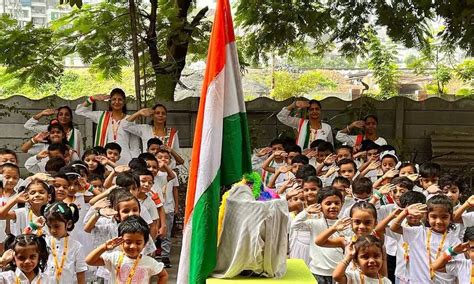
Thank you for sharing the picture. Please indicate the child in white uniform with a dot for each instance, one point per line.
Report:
(128, 265)
(66, 262)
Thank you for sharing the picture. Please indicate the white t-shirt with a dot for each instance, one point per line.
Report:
(418, 266)
(146, 268)
(151, 207)
(323, 260)
(10, 277)
(22, 220)
(461, 269)
(354, 277)
(266, 176)
(382, 213)
(468, 219)
(167, 193)
(74, 262)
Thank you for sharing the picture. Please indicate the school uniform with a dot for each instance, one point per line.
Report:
(168, 206)
(18, 277)
(323, 260)
(355, 277)
(106, 229)
(120, 267)
(74, 261)
(416, 237)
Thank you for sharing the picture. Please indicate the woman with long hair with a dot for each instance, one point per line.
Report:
(65, 118)
(110, 123)
(157, 129)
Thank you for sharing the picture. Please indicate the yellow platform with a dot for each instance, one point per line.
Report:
(297, 272)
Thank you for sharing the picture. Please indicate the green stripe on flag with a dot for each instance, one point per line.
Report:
(203, 252)
(235, 149)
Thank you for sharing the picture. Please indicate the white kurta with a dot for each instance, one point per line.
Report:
(145, 132)
(130, 143)
(350, 140)
(323, 133)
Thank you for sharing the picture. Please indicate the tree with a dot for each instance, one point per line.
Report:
(382, 61)
(102, 36)
(279, 25)
(435, 55)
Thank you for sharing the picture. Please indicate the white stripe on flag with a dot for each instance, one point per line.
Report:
(211, 144)
(233, 99)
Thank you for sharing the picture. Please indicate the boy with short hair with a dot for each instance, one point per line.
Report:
(169, 193)
(113, 151)
(429, 176)
(8, 156)
(153, 145)
(260, 155)
(37, 163)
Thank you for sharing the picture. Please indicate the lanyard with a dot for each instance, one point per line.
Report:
(115, 128)
(17, 280)
(59, 268)
(132, 271)
(362, 279)
(39, 232)
(428, 250)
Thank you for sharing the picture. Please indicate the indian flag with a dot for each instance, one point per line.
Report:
(221, 150)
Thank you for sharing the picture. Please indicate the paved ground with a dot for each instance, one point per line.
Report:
(175, 251)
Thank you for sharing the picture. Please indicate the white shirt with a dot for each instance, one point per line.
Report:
(151, 207)
(461, 269)
(167, 193)
(74, 262)
(354, 277)
(146, 268)
(350, 140)
(130, 143)
(145, 132)
(10, 277)
(323, 260)
(418, 266)
(324, 133)
(468, 219)
(22, 220)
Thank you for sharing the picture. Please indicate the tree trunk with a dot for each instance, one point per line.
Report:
(165, 86)
(136, 58)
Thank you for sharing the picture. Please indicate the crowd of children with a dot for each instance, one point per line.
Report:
(98, 215)
(359, 214)
(104, 214)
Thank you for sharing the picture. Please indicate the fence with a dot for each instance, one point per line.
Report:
(406, 124)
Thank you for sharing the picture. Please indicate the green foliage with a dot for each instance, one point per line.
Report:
(434, 60)
(382, 61)
(30, 54)
(465, 71)
(73, 84)
(464, 92)
(443, 75)
(289, 85)
(101, 36)
(327, 61)
(280, 25)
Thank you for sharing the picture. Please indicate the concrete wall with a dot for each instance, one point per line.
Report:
(406, 124)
